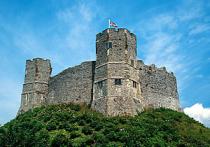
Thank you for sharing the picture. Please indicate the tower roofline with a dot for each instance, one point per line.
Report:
(37, 59)
(109, 30)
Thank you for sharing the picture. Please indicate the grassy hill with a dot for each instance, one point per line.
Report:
(74, 125)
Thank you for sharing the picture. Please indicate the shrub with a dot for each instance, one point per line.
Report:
(75, 107)
(51, 126)
(81, 122)
(87, 130)
(65, 126)
(99, 138)
(59, 140)
(96, 125)
(74, 134)
(72, 127)
(42, 138)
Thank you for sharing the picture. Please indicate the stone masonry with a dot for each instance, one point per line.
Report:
(115, 84)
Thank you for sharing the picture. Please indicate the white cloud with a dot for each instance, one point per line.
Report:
(67, 41)
(163, 45)
(165, 40)
(79, 12)
(199, 29)
(79, 38)
(161, 49)
(190, 10)
(199, 113)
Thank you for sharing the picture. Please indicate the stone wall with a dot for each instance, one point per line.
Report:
(74, 84)
(158, 87)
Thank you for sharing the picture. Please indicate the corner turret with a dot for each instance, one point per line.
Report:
(35, 87)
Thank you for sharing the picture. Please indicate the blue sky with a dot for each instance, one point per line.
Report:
(174, 34)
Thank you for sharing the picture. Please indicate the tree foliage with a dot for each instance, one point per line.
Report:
(75, 125)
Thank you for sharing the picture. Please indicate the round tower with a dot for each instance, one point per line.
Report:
(35, 87)
(116, 83)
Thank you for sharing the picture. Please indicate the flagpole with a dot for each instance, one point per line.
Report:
(109, 23)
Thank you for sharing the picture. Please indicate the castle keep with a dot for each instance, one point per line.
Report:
(115, 84)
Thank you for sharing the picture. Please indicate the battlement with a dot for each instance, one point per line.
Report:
(152, 68)
(115, 31)
(38, 59)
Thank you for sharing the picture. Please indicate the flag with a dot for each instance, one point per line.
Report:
(112, 24)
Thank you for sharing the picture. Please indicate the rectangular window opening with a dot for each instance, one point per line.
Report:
(100, 84)
(108, 45)
(132, 62)
(134, 84)
(118, 81)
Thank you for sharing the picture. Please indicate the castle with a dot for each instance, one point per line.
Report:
(115, 84)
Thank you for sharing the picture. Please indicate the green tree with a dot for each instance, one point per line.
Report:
(60, 140)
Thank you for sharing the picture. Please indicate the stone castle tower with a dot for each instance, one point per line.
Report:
(115, 84)
(35, 87)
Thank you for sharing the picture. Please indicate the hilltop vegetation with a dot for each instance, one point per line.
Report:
(74, 125)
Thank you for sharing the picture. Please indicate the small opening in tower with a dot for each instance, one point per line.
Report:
(100, 84)
(150, 68)
(134, 84)
(132, 62)
(118, 81)
(109, 45)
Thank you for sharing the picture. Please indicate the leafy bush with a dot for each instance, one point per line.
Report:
(87, 130)
(51, 126)
(60, 140)
(74, 134)
(74, 125)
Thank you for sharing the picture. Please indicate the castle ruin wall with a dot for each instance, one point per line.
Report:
(158, 87)
(74, 84)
